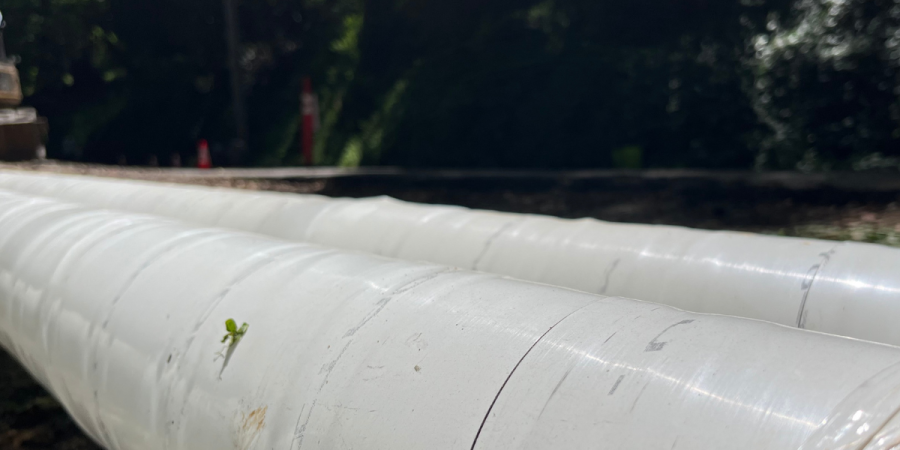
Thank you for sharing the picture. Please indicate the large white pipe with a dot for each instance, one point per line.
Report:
(121, 316)
(850, 289)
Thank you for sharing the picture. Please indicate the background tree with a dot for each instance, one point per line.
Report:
(808, 84)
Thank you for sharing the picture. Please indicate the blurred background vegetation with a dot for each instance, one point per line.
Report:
(749, 84)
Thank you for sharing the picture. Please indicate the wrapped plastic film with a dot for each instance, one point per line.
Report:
(121, 317)
(850, 289)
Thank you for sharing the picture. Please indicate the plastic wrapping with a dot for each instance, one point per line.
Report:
(842, 288)
(121, 317)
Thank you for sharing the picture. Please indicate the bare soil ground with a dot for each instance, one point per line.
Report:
(30, 418)
(858, 208)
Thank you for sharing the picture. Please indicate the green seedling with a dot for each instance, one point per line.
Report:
(234, 333)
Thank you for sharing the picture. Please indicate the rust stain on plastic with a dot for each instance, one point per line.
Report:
(250, 426)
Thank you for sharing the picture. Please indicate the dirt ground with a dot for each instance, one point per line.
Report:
(800, 206)
(32, 419)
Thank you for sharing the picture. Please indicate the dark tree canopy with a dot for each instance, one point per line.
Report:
(766, 84)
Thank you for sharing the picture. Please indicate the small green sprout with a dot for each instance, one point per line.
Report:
(234, 332)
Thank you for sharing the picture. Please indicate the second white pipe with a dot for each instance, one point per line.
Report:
(849, 289)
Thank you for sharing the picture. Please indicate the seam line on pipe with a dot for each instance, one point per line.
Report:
(886, 421)
(490, 242)
(852, 402)
(94, 344)
(299, 430)
(508, 377)
(265, 220)
(401, 243)
(61, 273)
(313, 222)
(880, 429)
(808, 284)
(217, 220)
(129, 200)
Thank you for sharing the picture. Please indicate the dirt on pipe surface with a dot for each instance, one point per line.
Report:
(840, 206)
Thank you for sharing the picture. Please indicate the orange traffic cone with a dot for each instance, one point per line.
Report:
(204, 161)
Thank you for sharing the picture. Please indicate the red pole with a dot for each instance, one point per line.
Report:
(308, 109)
(204, 161)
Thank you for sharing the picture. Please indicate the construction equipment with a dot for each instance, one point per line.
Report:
(23, 134)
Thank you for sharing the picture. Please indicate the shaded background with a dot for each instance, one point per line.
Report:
(744, 84)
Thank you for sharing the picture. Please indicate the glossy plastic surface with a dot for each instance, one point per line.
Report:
(121, 317)
(848, 289)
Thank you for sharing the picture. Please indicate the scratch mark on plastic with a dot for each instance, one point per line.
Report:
(609, 272)
(555, 389)
(379, 306)
(807, 283)
(490, 242)
(655, 345)
(633, 404)
(616, 385)
(420, 281)
(300, 429)
(610, 337)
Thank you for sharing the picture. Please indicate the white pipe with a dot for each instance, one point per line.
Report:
(849, 289)
(121, 316)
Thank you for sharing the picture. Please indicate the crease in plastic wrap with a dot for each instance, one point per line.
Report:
(121, 316)
(849, 289)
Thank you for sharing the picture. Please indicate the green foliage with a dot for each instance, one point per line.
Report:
(550, 84)
(137, 78)
(630, 157)
(827, 84)
(53, 36)
(806, 84)
(858, 232)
